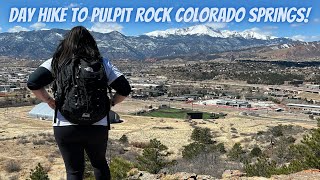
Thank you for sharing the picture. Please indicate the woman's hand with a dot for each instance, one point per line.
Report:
(43, 95)
(52, 103)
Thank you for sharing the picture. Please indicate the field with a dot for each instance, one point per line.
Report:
(30, 141)
(173, 113)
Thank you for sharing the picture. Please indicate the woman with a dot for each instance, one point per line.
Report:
(74, 139)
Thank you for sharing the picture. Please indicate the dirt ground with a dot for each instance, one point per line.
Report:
(28, 141)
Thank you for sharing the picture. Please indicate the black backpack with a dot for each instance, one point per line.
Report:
(81, 91)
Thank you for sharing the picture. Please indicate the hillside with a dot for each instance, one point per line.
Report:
(298, 51)
(26, 141)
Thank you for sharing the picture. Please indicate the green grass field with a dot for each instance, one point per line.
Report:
(172, 113)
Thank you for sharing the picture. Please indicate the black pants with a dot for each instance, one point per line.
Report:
(74, 140)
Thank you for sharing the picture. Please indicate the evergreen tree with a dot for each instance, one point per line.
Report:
(153, 157)
(38, 173)
(202, 135)
(236, 153)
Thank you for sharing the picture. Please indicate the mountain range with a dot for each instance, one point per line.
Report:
(200, 39)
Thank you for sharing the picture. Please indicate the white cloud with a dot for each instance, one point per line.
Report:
(317, 20)
(270, 27)
(305, 38)
(217, 25)
(0, 29)
(72, 5)
(106, 27)
(296, 25)
(18, 29)
(38, 26)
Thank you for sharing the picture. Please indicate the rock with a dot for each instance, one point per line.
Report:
(141, 175)
(135, 174)
(232, 173)
(310, 174)
(185, 176)
(205, 177)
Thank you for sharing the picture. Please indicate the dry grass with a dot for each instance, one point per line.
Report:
(18, 132)
(12, 166)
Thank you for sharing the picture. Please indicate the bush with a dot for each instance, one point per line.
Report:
(304, 155)
(22, 141)
(192, 150)
(290, 140)
(153, 157)
(38, 173)
(220, 147)
(318, 122)
(277, 131)
(236, 153)
(261, 168)
(14, 177)
(139, 144)
(12, 166)
(88, 169)
(119, 168)
(266, 168)
(202, 135)
(256, 152)
(308, 151)
(124, 139)
(39, 142)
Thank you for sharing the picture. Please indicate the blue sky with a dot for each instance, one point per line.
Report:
(309, 31)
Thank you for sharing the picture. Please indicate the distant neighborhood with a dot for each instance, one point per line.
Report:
(147, 83)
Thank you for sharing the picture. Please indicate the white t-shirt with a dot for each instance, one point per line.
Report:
(112, 73)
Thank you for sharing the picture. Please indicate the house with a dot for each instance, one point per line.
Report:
(304, 108)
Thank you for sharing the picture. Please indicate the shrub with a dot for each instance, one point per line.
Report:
(277, 131)
(14, 177)
(290, 140)
(38, 142)
(260, 133)
(266, 168)
(192, 150)
(50, 139)
(236, 153)
(38, 173)
(220, 147)
(262, 168)
(119, 168)
(304, 155)
(256, 152)
(139, 144)
(88, 169)
(153, 157)
(202, 135)
(22, 141)
(209, 163)
(318, 122)
(12, 166)
(124, 139)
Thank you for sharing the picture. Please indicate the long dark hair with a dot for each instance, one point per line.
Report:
(77, 42)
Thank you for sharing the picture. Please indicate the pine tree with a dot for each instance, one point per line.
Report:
(236, 153)
(153, 157)
(38, 173)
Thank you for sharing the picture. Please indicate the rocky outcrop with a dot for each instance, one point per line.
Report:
(135, 174)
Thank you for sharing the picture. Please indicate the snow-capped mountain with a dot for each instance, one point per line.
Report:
(210, 31)
(183, 42)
